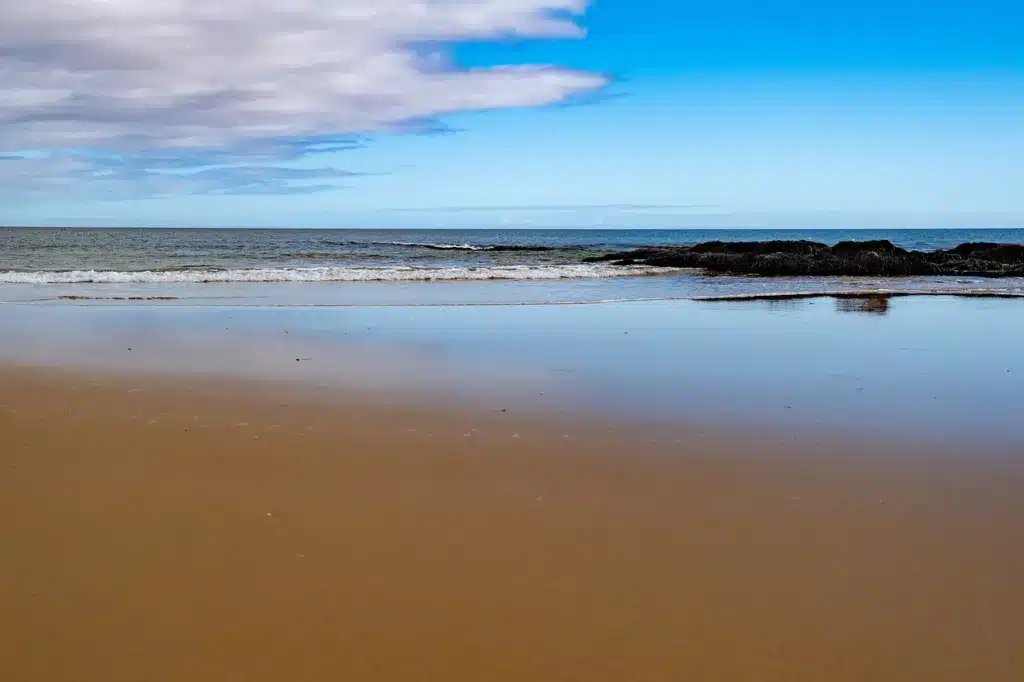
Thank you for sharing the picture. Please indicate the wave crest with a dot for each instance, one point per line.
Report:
(332, 274)
(435, 246)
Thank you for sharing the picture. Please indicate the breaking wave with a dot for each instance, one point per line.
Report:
(332, 274)
(453, 247)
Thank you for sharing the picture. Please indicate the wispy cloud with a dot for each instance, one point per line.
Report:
(193, 82)
(551, 208)
(72, 177)
(266, 151)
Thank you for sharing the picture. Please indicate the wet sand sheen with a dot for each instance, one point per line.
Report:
(158, 530)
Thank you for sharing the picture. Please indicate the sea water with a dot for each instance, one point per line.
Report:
(348, 267)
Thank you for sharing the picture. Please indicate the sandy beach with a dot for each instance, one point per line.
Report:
(170, 529)
(511, 341)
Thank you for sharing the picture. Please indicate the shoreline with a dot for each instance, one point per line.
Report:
(169, 529)
(680, 284)
(795, 295)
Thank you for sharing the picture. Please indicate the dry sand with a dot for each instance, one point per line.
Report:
(157, 531)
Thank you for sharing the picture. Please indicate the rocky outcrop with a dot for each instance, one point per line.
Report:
(876, 258)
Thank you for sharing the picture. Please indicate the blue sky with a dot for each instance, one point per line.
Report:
(663, 114)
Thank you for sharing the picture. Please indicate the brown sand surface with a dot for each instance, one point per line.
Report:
(154, 530)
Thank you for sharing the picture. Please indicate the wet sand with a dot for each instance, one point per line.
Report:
(170, 530)
(910, 368)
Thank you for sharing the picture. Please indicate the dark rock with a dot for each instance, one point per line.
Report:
(760, 248)
(871, 245)
(806, 258)
(998, 253)
(968, 248)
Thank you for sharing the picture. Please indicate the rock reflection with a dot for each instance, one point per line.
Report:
(871, 305)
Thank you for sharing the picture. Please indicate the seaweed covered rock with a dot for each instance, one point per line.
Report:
(800, 247)
(883, 246)
(988, 251)
(806, 258)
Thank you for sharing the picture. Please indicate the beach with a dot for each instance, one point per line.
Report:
(165, 530)
(581, 478)
(511, 341)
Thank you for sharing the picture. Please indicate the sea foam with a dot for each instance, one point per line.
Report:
(332, 274)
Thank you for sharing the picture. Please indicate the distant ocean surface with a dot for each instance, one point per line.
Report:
(35, 262)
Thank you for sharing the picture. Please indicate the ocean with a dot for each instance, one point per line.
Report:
(46, 264)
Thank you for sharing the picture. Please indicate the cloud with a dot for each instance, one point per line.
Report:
(251, 151)
(75, 177)
(215, 75)
(554, 208)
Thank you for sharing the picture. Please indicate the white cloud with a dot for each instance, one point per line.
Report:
(72, 177)
(130, 75)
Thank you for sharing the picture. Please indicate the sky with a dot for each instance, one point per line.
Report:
(512, 113)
